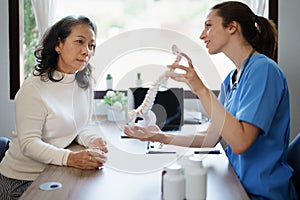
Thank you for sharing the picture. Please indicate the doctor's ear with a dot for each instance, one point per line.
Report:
(232, 27)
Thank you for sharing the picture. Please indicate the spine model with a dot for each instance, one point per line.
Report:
(144, 110)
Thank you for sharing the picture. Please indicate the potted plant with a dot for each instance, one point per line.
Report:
(117, 103)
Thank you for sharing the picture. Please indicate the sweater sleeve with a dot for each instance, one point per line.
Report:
(91, 130)
(88, 133)
(31, 115)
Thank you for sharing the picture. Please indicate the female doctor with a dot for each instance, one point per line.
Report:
(252, 113)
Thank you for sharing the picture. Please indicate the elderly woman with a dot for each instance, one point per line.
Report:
(54, 108)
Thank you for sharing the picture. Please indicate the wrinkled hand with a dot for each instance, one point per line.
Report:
(87, 159)
(149, 133)
(190, 77)
(98, 143)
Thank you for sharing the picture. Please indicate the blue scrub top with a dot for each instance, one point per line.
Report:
(261, 98)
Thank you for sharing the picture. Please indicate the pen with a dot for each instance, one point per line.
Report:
(125, 136)
(208, 152)
(161, 152)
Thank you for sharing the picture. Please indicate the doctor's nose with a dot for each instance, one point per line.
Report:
(202, 35)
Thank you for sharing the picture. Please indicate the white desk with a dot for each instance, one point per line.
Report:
(130, 174)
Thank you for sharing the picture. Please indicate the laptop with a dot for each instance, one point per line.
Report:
(168, 106)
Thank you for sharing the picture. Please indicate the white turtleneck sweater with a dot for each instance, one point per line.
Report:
(49, 116)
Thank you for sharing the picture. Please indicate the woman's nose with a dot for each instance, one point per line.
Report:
(202, 35)
(85, 50)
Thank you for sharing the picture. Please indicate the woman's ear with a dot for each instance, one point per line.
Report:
(232, 27)
(58, 45)
(57, 49)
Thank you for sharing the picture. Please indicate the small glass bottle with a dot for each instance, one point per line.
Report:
(109, 82)
(174, 183)
(195, 177)
(138, 81)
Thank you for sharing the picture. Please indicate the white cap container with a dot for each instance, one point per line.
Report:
(195, 179)
(174, 183)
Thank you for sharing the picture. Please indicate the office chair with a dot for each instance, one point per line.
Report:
(4, 143)
(294, 161)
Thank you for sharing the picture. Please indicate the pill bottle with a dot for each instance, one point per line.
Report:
(173, 183)
(195, 179)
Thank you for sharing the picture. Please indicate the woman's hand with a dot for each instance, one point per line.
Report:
(87, 159)
(190, 77)
(149, 133)
(98, 143)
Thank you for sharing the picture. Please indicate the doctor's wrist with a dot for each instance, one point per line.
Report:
(161, 138)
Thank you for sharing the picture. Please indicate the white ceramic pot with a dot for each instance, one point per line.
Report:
(115, 115)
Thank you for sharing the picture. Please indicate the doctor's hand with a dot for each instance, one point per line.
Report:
(87, 159)
(149, 133)
(189, 76)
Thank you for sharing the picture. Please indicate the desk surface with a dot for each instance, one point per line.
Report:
(130, 174)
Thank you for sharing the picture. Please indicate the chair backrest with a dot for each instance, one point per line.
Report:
(4, 143)
(294, 161)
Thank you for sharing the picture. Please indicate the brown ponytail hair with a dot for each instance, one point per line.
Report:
(259, 32)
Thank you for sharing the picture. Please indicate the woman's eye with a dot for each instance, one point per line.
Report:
(92, 46)
(79, 41)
